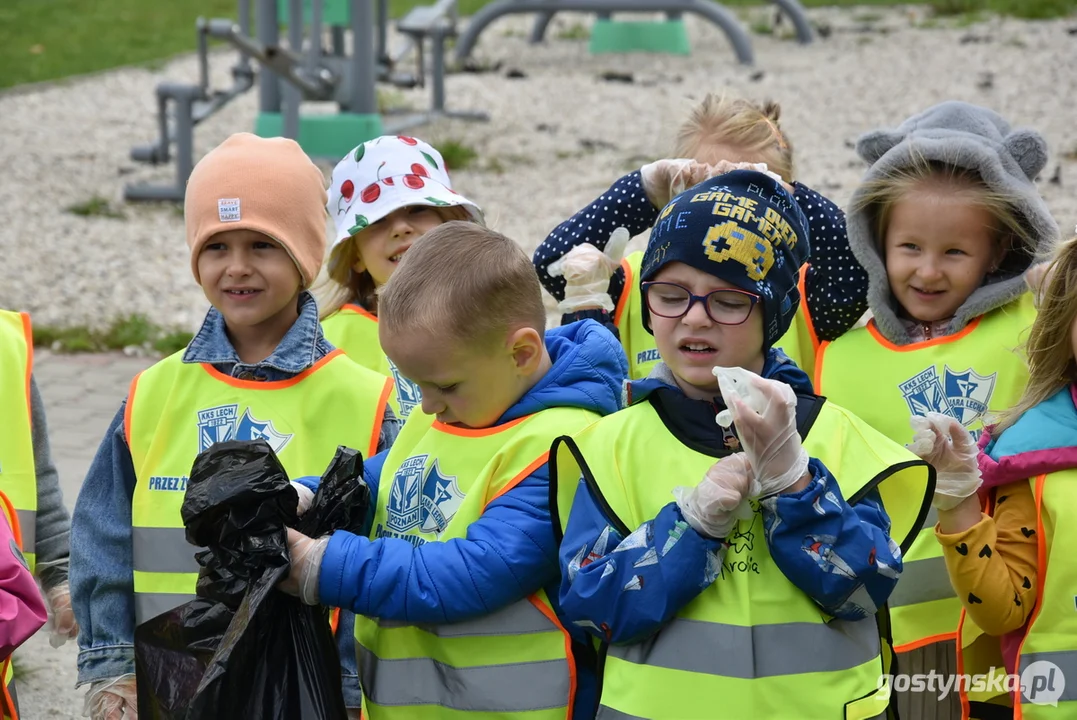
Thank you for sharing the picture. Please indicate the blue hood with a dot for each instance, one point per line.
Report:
(1041, 441)
(588, 371)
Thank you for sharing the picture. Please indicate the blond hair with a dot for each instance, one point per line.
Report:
(343, 285)
(720, 121)
(464, 281)
(878, 196)
(1051, 364)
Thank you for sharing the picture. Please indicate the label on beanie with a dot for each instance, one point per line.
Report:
(228, 209)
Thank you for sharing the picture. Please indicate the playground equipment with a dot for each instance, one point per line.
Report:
(546, 9)
(305, 70)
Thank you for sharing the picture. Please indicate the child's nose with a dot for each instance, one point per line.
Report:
(432, 405)
(929, 269)
(697, 316)
(401, 228)
(239, 264)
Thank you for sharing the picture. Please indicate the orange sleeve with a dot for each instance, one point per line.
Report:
(992, 565)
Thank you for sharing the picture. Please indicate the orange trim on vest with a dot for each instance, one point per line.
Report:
(379, 416)
(5, 697)
(523, 474)
(29, 333)
(334, 620)
(569, 657)
(818, 379)
(941, 637)
(623, 300)
(269, 384)
(962, 693)
(13, 520)
(476, 432)
(802, 287)
(924, 344)
(1041, 582)
(127, 410)
(358, 310)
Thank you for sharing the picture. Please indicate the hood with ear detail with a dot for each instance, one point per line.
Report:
(966, 136)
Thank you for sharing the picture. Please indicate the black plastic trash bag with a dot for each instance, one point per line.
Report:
(243, 649)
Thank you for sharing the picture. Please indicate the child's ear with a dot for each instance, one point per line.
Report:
(527, 346)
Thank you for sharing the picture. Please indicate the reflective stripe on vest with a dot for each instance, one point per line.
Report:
(176, 410)
(967, 375)
(18, 478)
(436, 481)
(798, 342)
(752, 638)
(355, 331)
(1052, 630)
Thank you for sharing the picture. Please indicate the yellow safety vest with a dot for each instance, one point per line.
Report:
(355, 331)
(175, 410)
(9, 698)
(18, 478)
(798, 342)
(751, 644)
(1047, 659)
(967, 375)
(514, 663)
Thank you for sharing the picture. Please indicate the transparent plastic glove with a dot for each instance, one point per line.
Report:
(945, 443)
(665, 179)
(1037, 278)
(724, 166)
(306, 496)
(587, 272)
(765, 414)
(714, 506)
(61, 617)
(112, 699)
(306, 564)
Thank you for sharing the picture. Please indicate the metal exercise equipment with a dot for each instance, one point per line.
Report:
(305, 70)
(545, 9)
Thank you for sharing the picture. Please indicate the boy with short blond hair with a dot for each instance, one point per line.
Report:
(462, 527)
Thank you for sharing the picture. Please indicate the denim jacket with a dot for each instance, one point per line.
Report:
(102, 585)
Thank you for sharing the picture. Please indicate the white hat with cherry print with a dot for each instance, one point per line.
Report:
(385, 174)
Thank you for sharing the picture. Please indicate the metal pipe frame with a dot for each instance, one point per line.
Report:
(717, 14)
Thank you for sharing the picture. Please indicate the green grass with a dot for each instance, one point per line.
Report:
(96, 206)
(456, 153)
(49, 39)
(123, 332)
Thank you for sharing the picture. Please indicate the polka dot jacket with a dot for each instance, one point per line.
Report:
(836, 285)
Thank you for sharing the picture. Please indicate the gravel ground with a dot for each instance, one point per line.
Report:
(558, 136)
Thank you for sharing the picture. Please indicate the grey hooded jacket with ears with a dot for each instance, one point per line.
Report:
(970, 137)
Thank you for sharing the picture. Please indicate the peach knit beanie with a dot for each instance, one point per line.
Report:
(264, 184)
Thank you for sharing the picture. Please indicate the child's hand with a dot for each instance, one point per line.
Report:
(724, 166)
(1037, 278)
(665, 179)
(587, 271)
(769, 435)
(945, 443)
(61, 616)
(714, 506)
(306, 497)
(306, 563)
(112, 699)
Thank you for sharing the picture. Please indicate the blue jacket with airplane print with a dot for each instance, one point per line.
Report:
(841, 556)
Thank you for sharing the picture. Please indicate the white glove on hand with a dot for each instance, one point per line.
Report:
(61, 616)
(112, 699)
(765, 415)
(306, 565)
(714, 506)
(306, 497)
(724, 166)
(1038, 278)
(665, 179)
(587, 271)
(945, 443)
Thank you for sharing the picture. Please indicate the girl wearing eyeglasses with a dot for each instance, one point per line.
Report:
(731, 572)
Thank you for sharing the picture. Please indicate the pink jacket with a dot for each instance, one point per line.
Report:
(22, 609)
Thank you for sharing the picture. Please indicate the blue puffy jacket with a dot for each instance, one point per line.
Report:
(510, 551)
